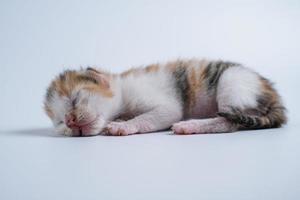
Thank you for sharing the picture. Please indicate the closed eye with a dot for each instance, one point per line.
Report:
(59, 123)
(74, 102)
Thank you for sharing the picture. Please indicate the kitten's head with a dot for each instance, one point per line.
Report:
(79, 102)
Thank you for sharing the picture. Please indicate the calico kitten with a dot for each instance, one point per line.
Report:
(190, 96)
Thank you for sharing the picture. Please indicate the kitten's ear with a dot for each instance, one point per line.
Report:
(90, 69)
(101, 77)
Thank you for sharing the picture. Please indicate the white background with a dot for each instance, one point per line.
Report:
(38, 39)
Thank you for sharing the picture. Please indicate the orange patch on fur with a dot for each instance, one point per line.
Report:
(152, 68)
(274, 109)
(66, 83)
(266, 88)
(140, 70)
(173, 65)
(192, 81)
(203, 64)
(132, 71)
(98, 89)
(49, 111)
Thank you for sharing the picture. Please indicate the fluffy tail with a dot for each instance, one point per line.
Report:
(273, 117)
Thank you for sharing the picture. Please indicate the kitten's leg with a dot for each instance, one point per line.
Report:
(157, 119)
(211, 125)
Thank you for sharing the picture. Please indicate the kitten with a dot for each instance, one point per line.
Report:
(212, 96)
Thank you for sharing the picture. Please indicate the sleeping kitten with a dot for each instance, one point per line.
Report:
(190, 96)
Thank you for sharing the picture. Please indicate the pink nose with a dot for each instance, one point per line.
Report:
(70, 120)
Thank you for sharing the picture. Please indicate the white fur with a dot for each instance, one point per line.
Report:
(154, 96)
(238, 87)
(59, 106)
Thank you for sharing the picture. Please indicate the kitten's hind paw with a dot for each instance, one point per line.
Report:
(185, 128)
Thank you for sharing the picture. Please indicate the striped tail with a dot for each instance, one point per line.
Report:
(273, 118)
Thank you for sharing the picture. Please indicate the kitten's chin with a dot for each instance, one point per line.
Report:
(78, 133)
(92, 130)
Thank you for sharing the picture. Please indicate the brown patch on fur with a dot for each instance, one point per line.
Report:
(195, 78)
(212, 73)
(268, 90)
(104, 91)
(49, 111)
(152, 68)
(132, 71)
(140, 70)
(193, 70)
(270, 105)
(69, 80)
(174, 65)
(65, 83)
(192, 81)
(201, 73)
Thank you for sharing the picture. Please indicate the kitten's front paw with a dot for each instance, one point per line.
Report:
(120, 129)
(63, 130)
(185, 128)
